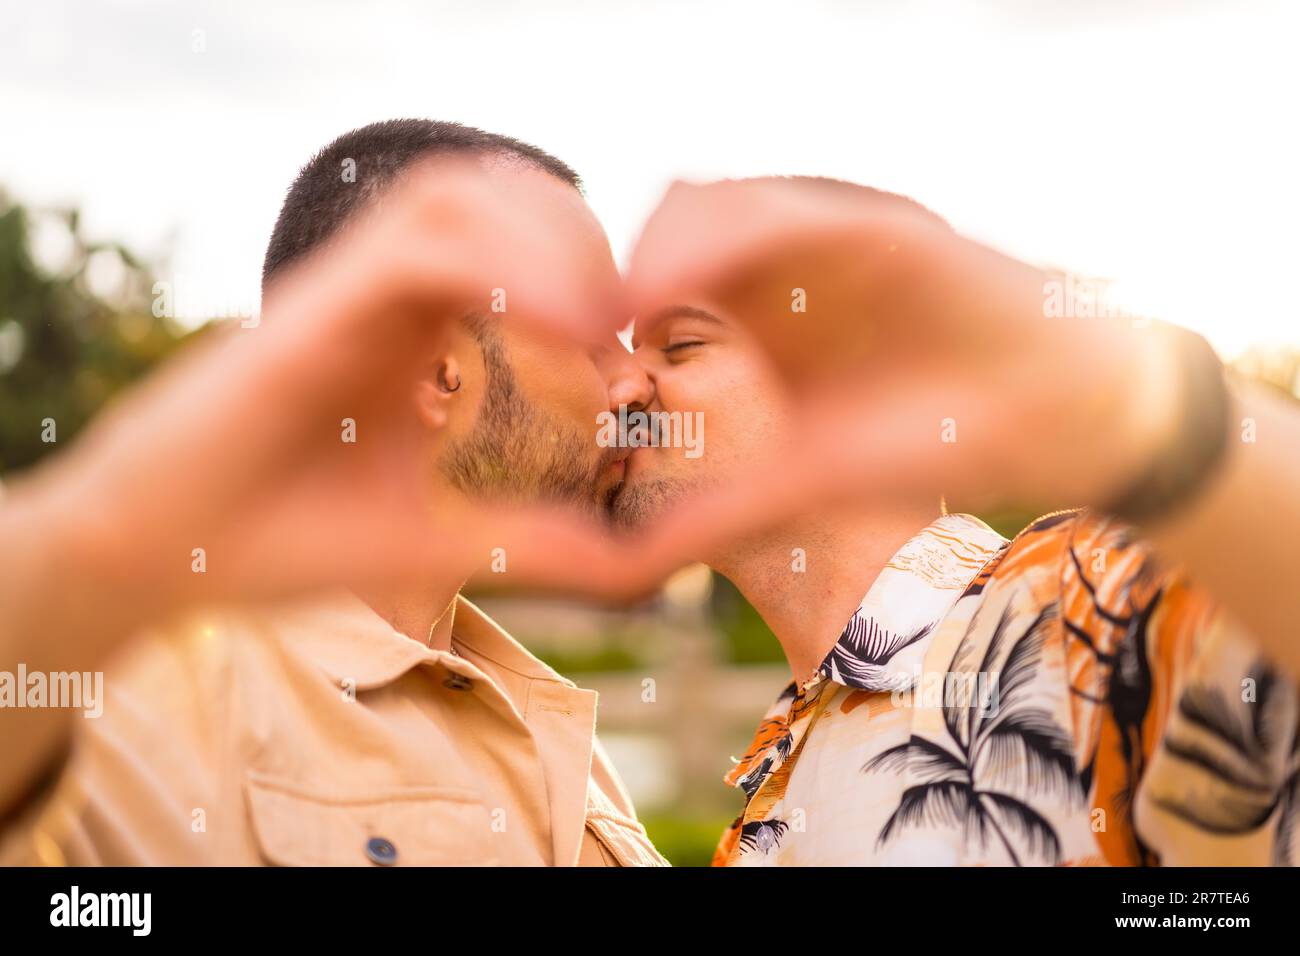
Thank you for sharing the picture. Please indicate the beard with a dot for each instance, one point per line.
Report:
(638, 504)
(519, 452)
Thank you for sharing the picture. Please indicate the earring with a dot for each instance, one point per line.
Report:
(442, 383)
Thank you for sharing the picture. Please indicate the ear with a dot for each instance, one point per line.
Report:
(437, 390)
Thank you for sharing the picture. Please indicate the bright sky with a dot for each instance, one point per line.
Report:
(1149, 142)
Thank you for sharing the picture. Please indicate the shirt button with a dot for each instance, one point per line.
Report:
(457, 682)
(381, 851)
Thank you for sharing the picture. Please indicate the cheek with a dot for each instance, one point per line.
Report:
(740, 412)
(564, 383)
(693, 387)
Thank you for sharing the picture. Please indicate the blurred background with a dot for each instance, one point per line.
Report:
(145, 146)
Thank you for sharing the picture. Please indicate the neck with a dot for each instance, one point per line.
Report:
(841, 557)
(424, 612)
(426, 615)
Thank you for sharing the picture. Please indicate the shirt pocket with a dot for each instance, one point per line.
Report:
(415, 826)
(622, 836)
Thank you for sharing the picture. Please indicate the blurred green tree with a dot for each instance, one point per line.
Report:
(76, 325)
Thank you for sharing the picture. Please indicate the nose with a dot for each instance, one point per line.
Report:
(626, 380)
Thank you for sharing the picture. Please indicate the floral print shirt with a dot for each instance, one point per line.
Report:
(1058, 699)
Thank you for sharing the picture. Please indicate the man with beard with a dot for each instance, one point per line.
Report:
(391, 722)
(1065, 697)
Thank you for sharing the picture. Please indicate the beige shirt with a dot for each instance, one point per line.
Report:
(319, 735)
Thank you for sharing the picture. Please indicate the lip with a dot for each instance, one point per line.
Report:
(616, 467)
(635, 460)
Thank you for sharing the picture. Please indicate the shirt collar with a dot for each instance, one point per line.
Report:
(348, 640)
(476, 633)
(884, 642)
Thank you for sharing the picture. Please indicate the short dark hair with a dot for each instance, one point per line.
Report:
(321, 199)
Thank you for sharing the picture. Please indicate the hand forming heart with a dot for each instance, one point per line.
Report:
(905, 327)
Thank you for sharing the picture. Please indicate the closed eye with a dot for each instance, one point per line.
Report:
(678, 346)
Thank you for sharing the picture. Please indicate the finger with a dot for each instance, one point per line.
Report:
(561, 551)
(493, 240)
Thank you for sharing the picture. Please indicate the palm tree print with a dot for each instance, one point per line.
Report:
(859, 657)
(1252, 749)
(993, 759)
(1128, 685)
(751, 781)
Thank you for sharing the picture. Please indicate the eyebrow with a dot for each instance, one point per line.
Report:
(670, 312)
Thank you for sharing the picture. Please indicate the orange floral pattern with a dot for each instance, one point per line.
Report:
(1058, 699)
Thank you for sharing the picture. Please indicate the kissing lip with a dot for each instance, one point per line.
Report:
(616, 464)
(636, 460)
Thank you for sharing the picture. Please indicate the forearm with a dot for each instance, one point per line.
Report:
(1238, 538)
(59, 614)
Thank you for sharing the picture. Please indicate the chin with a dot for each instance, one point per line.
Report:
(640, 501)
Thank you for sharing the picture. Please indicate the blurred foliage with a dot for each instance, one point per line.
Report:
(605, 659)
(686, 841)
(746, 638)
(1010, 522)
(75, 328)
